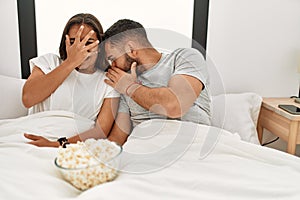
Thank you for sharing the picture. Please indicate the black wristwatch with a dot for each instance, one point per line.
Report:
(63, 141)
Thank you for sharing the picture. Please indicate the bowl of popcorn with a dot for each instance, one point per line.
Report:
(89, 163)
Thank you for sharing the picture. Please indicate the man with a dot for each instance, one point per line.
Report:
(153, 85)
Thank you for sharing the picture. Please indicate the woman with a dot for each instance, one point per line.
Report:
(73, 81)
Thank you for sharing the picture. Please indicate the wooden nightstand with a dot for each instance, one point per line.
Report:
(279, 122)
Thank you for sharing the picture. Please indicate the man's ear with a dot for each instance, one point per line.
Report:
(131, 49)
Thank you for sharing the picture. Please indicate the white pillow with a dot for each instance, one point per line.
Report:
(11, 105)
(237, 113)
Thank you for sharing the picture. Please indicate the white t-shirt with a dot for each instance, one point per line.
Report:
(80, 93)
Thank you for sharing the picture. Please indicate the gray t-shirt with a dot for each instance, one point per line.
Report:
(185, 61)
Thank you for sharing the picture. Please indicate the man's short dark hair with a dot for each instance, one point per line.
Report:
(126, 29)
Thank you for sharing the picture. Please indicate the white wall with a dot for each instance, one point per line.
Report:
(255, 44)
(9, 51)
(175, 15)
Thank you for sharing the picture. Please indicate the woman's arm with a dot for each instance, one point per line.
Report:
(103, 125)
(40, 86)
(121, 129)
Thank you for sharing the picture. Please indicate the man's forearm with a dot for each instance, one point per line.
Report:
(157, 100)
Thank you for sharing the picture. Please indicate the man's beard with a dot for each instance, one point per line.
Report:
(129, 62)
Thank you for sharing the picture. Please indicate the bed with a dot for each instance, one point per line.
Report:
(163, 159)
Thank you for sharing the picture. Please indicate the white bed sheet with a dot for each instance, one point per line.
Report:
(233, 169)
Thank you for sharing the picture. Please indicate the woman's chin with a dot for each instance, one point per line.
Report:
(85, 69)
(82, 68)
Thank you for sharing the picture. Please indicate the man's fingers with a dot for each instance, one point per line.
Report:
(114, 68)
(109, 82)
(133, 69)
(112, 72)
(118, 71)
(111, 77)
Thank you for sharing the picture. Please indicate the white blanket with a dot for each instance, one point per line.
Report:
(161, 160)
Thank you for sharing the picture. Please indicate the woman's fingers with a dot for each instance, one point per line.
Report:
(82, 43)
(33, 143)
(78, 34)
(87, 37)
(88, 51)
(80, 50)
(32, 137)
(68, 43)
(91, 46)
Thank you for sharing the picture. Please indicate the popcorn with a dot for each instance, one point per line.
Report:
(88, 163)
